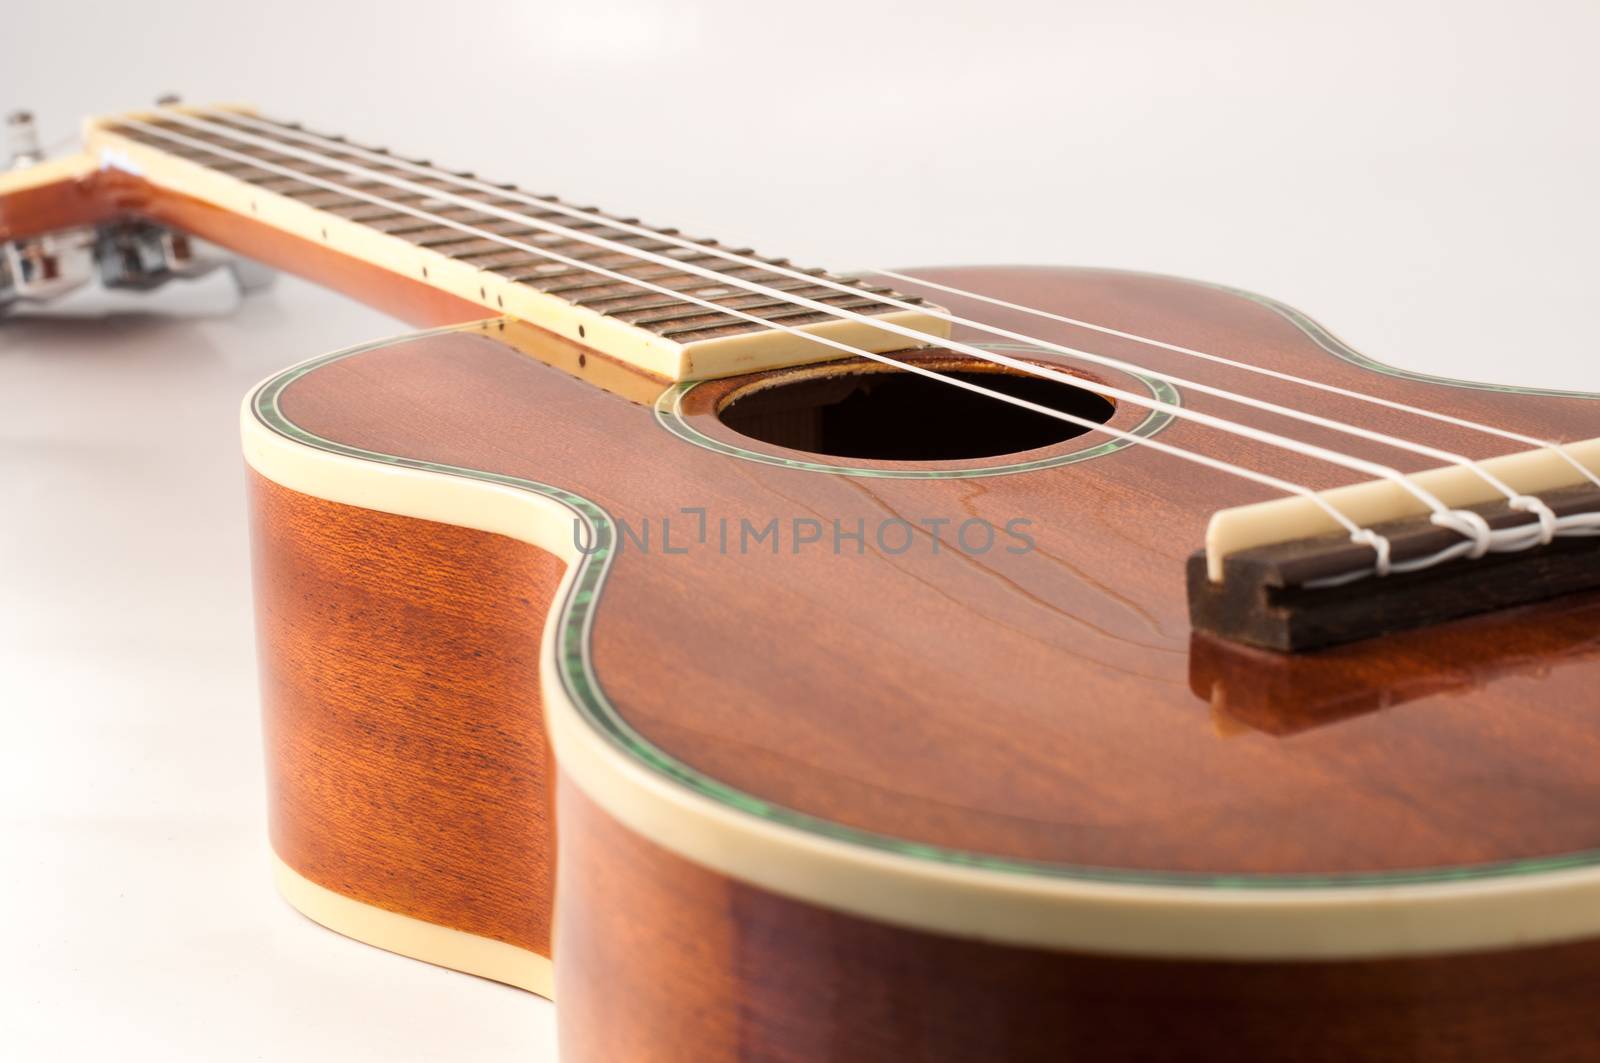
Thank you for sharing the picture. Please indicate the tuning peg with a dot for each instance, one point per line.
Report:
(168, 99)
(22, 137)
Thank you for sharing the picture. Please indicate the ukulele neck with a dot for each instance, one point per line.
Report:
(674, 307)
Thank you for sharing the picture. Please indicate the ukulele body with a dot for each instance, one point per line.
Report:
(936, 771)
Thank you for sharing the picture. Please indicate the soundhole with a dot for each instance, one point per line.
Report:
(892, 415)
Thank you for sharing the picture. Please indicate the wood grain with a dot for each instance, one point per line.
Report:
(662, 961)
(1031, 706)
(1284, 694)
(406, 757)
(1050, 705)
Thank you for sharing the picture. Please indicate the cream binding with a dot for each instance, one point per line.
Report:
(53, 171)
(1515, 908)
(420, 940)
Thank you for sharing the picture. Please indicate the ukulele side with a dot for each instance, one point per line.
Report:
(434, 617)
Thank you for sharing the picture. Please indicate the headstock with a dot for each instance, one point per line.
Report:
(63, 227)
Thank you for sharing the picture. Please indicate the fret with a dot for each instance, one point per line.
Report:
(488, 238)
(360, 211)
(435, 204)
(501, 260)
(406, 225)
(704, 321)
(733, 326)
(693, 284)
(601, 287)
(622, 236)
(448, 238)
(253, 175)
(306, 191)
(569, 279)
(552, 269)
(591, 281)
(518, 230)
(700, 288)
(287, 186)
(738, 300)
(458, 245)
(749, 302)
(223, 165)
(556, 242)
(322, 199)
(477, 248)
(471, 216)
(716, 293)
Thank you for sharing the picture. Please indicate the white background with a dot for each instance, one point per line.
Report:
(1419, 176)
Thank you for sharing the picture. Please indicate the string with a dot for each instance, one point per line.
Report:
(1334, 389)
(464, 180)
(1218, 464)
(1465, 522)
(1369, 468)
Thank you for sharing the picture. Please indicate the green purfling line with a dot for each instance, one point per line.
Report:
(669, 414)
(578, 679)
(1322, 337)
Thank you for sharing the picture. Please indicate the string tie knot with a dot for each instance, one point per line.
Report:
(1380, 547)
(1468, 525)
(1547, 516)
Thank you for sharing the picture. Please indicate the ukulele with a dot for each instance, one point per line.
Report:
(769, 663)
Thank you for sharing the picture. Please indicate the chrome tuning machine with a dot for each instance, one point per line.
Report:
(122, 254)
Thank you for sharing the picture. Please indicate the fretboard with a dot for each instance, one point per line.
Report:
(629, 291)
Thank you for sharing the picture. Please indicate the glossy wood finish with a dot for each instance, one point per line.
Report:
(406, 757)
(1032, 706)
(1283, 694)
(662, 961)
(1267, 596)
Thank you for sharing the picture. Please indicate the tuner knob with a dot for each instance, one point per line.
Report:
(168, 99)
(22, 137)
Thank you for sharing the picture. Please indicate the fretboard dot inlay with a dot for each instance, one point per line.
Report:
(327, 186)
